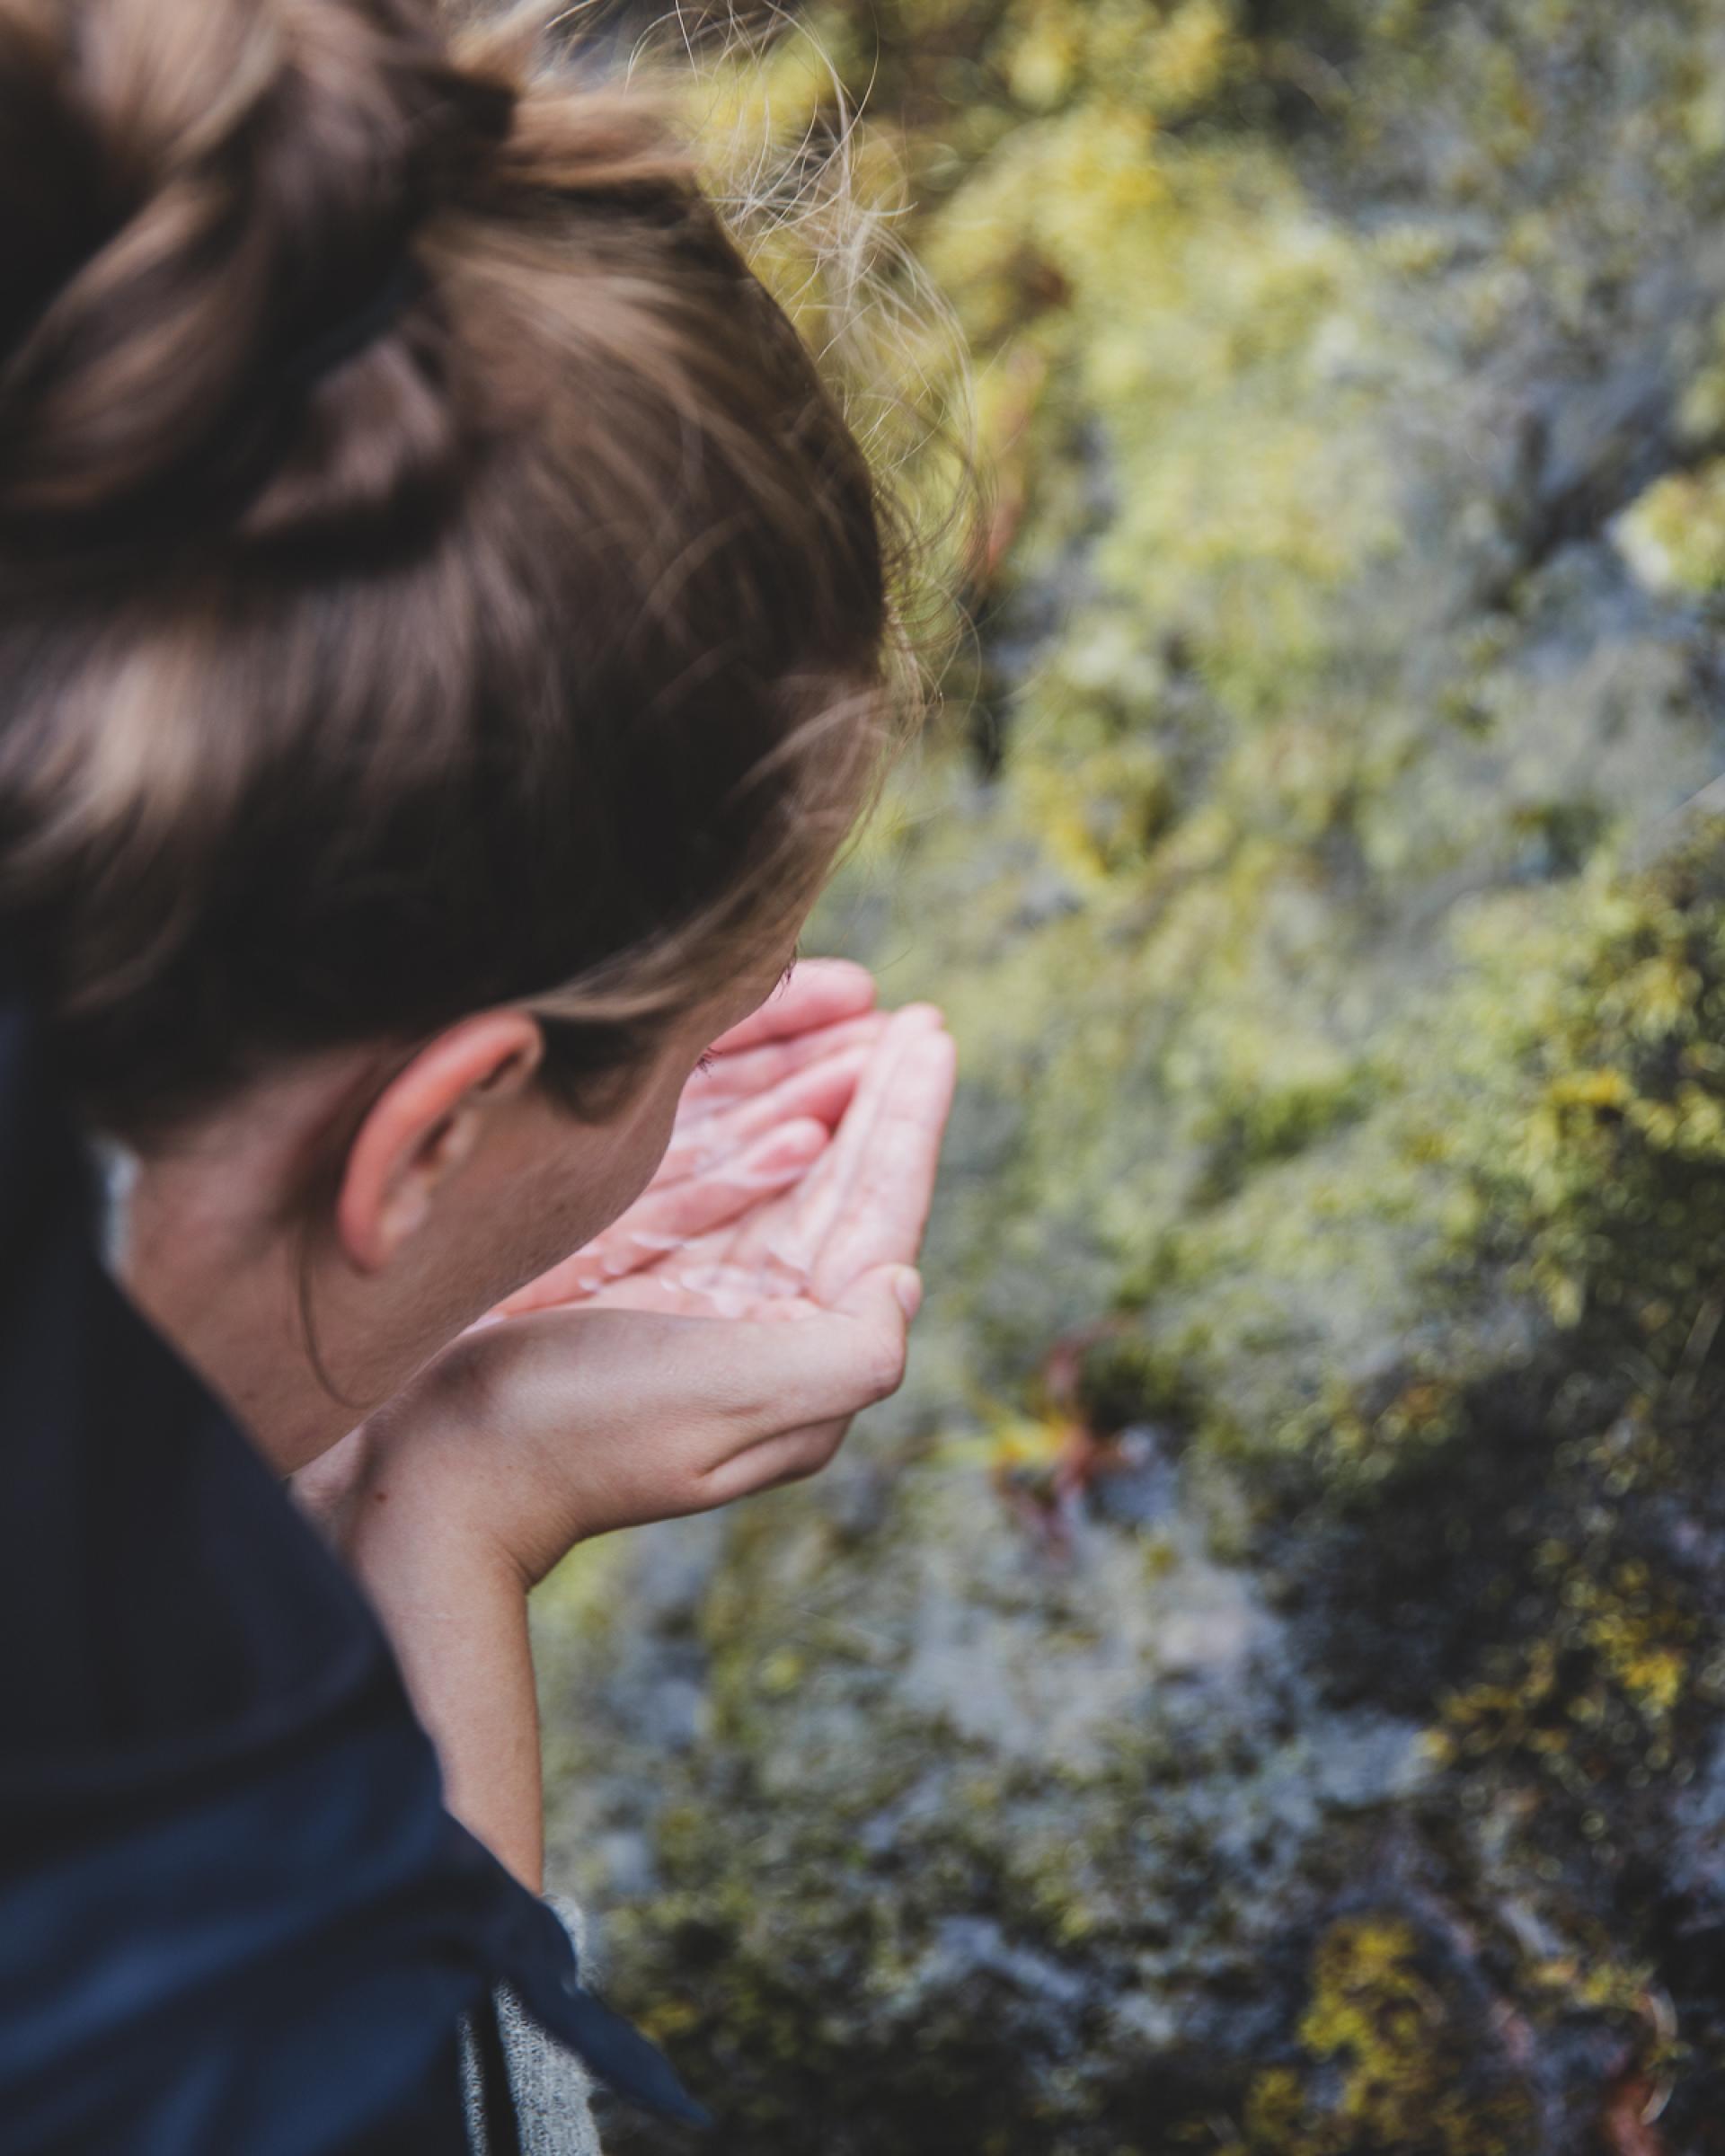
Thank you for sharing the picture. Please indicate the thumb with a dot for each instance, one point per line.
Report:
(854, 1353)
(864, 1297)
(879, 1304)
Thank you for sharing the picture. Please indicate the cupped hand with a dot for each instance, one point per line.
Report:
(728, 1365)
(752, 1119)
(863, 1202)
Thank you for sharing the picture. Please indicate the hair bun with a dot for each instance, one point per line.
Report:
(195, 191)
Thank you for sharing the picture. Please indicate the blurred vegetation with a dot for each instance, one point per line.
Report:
(1262, 1687)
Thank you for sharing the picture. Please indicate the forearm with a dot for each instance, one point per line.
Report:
(456, 1613)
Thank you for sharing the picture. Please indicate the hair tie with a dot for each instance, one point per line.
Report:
(405, 283)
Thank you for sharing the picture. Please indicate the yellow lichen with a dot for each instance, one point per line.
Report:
(1673, 536)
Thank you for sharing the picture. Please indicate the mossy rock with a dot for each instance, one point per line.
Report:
(1261, 1686)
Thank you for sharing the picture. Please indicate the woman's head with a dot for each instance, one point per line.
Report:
(433, 577)
(533, 646)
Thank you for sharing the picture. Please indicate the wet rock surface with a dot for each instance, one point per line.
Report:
(1261, 1687)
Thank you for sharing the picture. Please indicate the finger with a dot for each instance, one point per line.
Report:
(792, 1456)
(739, 1076)
(818, 993)
(716, 1290)
(726, 1265)
(666, 1220)
(775, 1246)
(886, 1202)
(794, 1235)
(837, 1364)
(813, 1377)
(822, 1091)
(655, 1290)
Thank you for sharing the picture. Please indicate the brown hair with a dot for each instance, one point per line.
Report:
(432, 570)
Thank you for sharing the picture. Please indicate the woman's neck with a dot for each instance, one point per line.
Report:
(221, 1289)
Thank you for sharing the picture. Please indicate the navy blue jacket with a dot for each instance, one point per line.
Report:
(235, 1918)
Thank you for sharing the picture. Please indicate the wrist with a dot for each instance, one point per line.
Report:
(453, 1603)
(416, 1491)
(401, 1530)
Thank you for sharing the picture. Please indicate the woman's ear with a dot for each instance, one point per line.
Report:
(424, 1128)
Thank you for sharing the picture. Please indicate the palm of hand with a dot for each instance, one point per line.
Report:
(803, 1157)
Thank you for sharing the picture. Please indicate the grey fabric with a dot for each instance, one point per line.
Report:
(548, 2089)
(116, 1172)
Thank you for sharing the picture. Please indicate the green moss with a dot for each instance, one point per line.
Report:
(1379, 2013)
(1340, 1025)
(1674, 535)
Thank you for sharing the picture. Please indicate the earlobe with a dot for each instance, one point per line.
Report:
(424, 1129)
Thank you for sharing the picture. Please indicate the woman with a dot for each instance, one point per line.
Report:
(444, 639)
